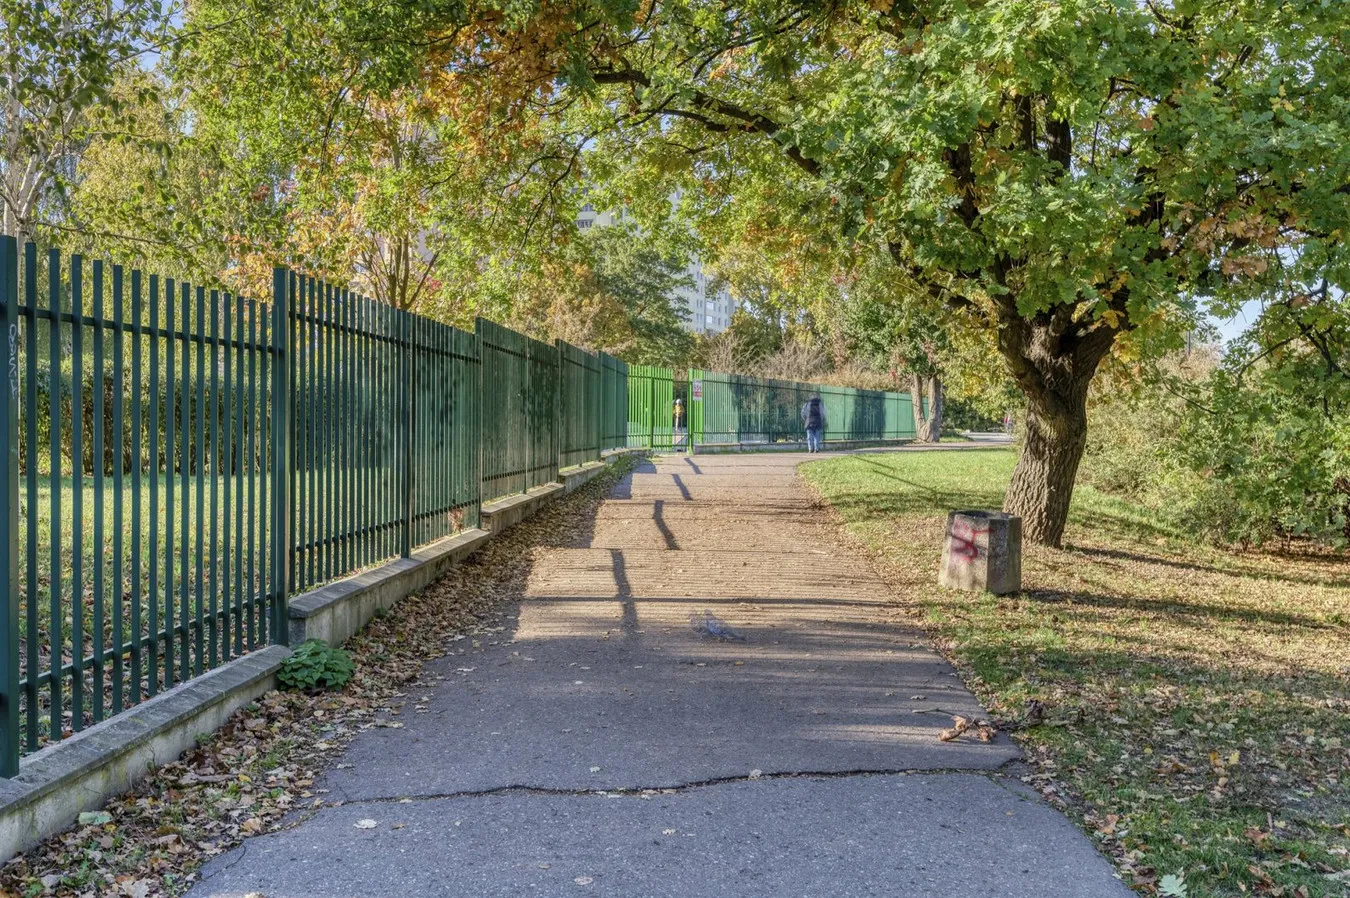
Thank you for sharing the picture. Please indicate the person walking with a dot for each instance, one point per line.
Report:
(813, 416)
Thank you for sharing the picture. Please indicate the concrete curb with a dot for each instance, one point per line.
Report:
(79, 774)
(502, 513)
(337, 611)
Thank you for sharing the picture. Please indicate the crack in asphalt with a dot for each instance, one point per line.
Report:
(996, 774)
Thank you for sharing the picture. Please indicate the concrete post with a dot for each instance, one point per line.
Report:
(982, 552)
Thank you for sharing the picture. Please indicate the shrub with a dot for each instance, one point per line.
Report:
(316, 665)
(1246, 451)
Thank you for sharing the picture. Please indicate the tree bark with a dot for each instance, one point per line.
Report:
(927, 427)
(1054, 363)
(1042, 482)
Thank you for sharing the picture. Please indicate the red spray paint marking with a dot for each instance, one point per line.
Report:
(964, 536)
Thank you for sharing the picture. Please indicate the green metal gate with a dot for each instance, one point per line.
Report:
(651, 407)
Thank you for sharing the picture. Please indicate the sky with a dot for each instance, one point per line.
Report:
(1232, 328)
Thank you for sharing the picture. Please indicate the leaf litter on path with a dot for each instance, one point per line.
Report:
(264, 763)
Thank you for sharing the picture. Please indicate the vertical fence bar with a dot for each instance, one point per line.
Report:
(9, 506)
(76, 496)
(250, 459)
(360, 419)
(170, 386)
(185, 500)
(30, 291)
(312, 405)
(345, 425)
(119, 462)
(407, 409)
(265, 476)
(54, 480)
(213, 587)
(329, 444)
(137, 515)
(368, 396)
(228, 462)
(296, 548)
(283, 288)
(99, 554)
(240, 460)
(386, 500)
(349, 422)
(199, 494)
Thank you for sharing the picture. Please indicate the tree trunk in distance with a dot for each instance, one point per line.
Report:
(932, 432)
(927, 427)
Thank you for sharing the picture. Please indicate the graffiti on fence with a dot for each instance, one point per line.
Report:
(14, 366)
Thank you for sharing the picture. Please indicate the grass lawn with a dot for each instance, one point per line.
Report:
(1196, 702)
(236, 559)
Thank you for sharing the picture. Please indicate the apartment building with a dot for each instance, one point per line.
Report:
(710, 308)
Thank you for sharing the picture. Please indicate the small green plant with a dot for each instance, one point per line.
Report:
(316, 665)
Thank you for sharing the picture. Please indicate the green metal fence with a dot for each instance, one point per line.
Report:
(581, 392)
(732, 408)
(181, 460)
(592, 404)
(143, 543)
(613, 403)
(520, 398)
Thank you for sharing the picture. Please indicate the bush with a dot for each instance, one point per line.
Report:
(316, 665)
(1247, 451)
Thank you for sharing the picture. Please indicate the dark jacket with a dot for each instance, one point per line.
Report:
(813, 414)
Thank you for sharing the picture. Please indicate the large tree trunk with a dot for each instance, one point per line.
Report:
(928, 427)
(1042, 482)
(1053, 359)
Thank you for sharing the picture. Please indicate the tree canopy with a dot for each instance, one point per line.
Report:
(1066, 181)
(1072, 177)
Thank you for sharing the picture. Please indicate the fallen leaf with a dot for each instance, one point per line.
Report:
(139, 888)
(1173, 886)
(960, 725)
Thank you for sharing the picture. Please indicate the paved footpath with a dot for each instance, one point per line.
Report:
(605, 748)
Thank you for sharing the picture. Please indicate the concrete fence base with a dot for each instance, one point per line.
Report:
(58, 783)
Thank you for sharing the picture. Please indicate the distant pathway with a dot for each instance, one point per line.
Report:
(803, 761)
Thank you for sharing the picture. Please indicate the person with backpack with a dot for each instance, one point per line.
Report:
(813, 416)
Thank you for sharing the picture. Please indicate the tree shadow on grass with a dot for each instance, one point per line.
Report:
(1246, 571)
(1193, 611)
